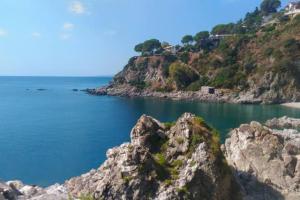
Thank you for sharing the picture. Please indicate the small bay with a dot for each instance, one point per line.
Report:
(51, 131)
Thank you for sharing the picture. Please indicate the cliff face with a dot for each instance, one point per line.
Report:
(184, 160)
(261, 67)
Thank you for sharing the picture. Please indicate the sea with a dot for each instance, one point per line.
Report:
(51, 131)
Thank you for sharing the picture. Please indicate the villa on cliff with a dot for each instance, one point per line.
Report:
(170, 48)
(292, 8)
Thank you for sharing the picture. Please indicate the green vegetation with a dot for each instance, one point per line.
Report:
(168, 125)
(148, 47)
(182, 75)
(160, 159)
(187, 39)
(222, 29)
(270, 6)
(127, 179)
(230, 56)
(86, 197)
(203, 35)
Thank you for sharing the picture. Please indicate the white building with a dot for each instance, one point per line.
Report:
(207, 90)
(293, 8)
(170, 48)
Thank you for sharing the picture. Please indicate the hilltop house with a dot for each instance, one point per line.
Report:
(292, 8)
(170, 48)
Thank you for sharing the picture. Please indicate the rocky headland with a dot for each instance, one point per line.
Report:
(256, 60)
(185, 160)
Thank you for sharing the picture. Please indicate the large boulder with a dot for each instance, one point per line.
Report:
(163, 161)
(265, 161)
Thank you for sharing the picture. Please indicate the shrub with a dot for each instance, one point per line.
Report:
(160, 159)
(268, 51)
(195, 86)
(138, 84)
(168, 125)
(185, 57)
(182, 75)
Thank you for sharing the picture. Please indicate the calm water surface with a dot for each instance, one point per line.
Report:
(51, 135)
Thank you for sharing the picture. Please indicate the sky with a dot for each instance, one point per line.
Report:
(97, 37)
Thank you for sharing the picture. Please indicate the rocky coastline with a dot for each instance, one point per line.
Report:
(184, 160)
(219, 96)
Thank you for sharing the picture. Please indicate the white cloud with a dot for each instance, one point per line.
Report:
(3, 32)
(77, 7)
(36, 34)
(65, 36)
(68, 26)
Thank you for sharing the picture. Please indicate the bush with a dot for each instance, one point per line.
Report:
(195, 86)
(182, 75)
(268, 51)
(185, 57)
(291, 46)
(268, 28)
(138, 84)
(229, 77)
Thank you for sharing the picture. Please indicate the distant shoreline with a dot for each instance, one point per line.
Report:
(292, 105)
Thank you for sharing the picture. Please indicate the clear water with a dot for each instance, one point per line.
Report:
(51, 135)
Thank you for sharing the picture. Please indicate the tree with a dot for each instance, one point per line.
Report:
(270, 6)
(223, 29)
(187, 39)
(151, 45)
(253, 20)
(139, 47)
(203, 35)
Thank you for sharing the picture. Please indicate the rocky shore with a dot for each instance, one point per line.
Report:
(184, 160)
(220, 95)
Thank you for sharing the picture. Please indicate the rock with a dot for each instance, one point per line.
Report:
(102, 91)
(265, 161)
(181, 162)
(16, 190)
(284, 122)
(7, 192)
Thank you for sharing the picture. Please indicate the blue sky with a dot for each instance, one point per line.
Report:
(96, 37)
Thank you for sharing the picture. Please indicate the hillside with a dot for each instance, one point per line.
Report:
(256, 60)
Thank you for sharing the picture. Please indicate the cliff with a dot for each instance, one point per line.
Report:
(258, 66)
(184, 160)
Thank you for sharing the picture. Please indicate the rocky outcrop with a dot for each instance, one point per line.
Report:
(265, 161)
(182, 161)
(126, 90)
(16, 190)
(284, 123)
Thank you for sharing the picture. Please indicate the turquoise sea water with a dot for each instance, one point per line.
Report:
(48, 136)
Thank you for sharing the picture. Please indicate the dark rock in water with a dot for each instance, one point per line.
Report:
(41, 89)
(98, 91)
